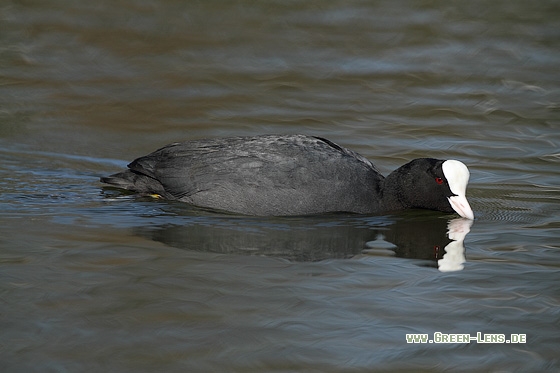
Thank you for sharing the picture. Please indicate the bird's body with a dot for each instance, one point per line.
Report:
(282, 175)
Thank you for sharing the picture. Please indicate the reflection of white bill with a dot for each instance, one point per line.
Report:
(454, 256)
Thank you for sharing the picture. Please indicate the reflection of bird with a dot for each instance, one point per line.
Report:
(434, 239)
(423, 237)
(292, 175)
(437, 241)
(455, 251)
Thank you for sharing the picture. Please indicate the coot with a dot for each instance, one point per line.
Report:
(292, 175)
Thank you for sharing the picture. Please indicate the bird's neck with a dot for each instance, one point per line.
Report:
(393, 199)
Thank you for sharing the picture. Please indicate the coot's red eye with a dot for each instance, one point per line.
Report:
(439, 180)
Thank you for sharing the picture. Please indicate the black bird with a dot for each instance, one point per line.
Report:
(281, 175)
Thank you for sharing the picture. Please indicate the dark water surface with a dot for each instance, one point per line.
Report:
(95, 280)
